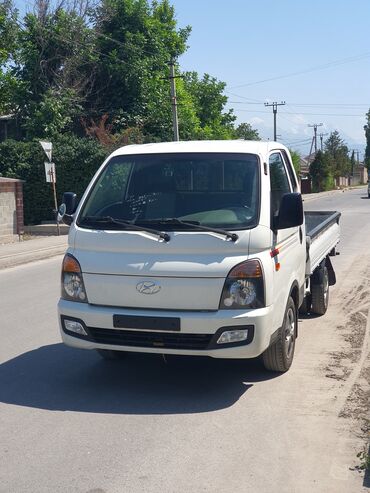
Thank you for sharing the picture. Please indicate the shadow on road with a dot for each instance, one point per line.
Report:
(59, 378)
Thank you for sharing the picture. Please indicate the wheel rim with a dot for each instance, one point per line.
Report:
(289, 332)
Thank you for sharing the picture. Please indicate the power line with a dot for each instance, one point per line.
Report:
(325, 114)
(312, 69)
(344, 105)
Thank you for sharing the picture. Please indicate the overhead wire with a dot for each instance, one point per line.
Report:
(305, 71)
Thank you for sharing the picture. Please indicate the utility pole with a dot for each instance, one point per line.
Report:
(175, 121)
(321, 137)
(274, 109)
(315, 125)
(357, 153)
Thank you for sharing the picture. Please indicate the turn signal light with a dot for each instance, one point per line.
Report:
(246, 270)
(70, 264)
(73, 288)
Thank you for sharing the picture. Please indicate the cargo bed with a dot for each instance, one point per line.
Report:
(322, 236)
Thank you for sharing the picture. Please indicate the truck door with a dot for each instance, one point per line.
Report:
(288, 245)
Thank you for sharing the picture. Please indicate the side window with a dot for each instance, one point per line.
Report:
(288, 165)
(279, 181)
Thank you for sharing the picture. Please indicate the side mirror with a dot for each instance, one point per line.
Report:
(67, 208)
(290, 212)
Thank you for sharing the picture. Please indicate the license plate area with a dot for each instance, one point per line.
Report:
(146, 323)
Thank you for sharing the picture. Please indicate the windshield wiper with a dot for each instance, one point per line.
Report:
(195, 225)
(128, 224)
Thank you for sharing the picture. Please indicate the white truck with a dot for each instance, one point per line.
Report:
(194, 248)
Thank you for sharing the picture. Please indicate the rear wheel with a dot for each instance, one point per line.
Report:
(305, 308)
(279, 356)
(109, 354)
(320, 291)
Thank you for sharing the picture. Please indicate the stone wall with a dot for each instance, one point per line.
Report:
(11, 209)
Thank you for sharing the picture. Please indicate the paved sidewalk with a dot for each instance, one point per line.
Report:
(22, 252)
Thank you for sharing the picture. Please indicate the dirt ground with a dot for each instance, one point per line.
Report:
(350, 365)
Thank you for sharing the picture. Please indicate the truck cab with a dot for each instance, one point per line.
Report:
(192, 248)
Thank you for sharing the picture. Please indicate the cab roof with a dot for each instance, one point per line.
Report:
(237, 146)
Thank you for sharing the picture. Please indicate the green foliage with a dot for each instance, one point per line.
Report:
(337, 152)
(364, 457)
(296, 158)
(76, 161)
(9, 32)
(54, 114)
(53, 66)
(68, 72)
(321, 173)
(246, 132)
(134, 42)
(209, 103)
(65, 75)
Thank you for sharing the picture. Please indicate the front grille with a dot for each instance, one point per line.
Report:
(146, 339)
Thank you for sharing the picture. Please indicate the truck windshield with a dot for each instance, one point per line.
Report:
(213, 190)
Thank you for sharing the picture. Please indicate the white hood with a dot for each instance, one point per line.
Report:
(190, 269)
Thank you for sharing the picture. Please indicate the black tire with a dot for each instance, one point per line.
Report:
(110, 354)
(305, 308)
(320, 292)
(279, 356)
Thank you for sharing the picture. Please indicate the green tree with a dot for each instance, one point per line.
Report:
(209, 106)
(53, 65)
(9, 31)
(247, 132)
(134, 41)
(106, 75)
(320, 173)
(337, 152)
(296, 158)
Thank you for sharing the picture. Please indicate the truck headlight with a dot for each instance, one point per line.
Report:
(73, 288)
(244, 287)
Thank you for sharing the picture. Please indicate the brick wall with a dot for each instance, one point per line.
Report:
(11, 208)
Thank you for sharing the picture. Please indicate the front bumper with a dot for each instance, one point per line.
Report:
(199, 331)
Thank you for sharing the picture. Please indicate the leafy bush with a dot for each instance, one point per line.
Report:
(76, 160)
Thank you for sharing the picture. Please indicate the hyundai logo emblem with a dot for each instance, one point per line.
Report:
(148, 287)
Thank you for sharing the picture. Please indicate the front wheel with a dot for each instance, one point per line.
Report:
(279, 356)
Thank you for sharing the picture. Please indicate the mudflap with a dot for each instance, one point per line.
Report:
(331, 274)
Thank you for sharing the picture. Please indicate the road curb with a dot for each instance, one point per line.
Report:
(20, 258)
(314, 196)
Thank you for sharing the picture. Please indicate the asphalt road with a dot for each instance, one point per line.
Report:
(70, 422)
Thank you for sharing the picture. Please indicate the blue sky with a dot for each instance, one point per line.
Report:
(324, 43)
(243, 42)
